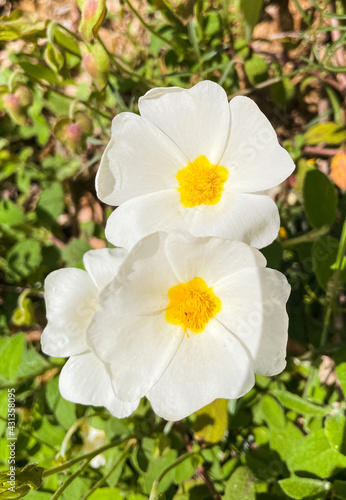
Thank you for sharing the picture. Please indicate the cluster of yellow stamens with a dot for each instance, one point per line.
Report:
(201, 183)
(192, 305)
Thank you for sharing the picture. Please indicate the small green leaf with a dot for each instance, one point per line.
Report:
(23, 258)
(51, 202)
(340, 361)
(256, 69)
(282, 92)
(39, 72)
(212, 421)
(251, 11)
(10, 213)
(301, 488)
(320, 199)
(296, 403)
(335, 429)
(324, 252)
(20, 24)
(327, 133)
(273, 413)
(64, 410)
(241, 485)
(74, 251)
(107, 494)
(11, 351)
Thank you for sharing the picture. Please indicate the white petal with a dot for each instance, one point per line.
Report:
(71, 300)
(209, 258)
(146, 214)
(197, 120)
(137, 349)
(139, 159)
(251, 218)
(253, 154)
(85, 380)
(143, 280)
(103, 264)
(207, 366)
(253, 309)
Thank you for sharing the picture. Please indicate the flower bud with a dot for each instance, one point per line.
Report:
(17, 103)
(74, 132)
(93, 13)
(96, 63)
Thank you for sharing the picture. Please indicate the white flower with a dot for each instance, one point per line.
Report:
(195, 162)
(71, 300)
(188, 320)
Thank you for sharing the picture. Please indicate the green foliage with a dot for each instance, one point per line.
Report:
(320, 199)
(59, 90)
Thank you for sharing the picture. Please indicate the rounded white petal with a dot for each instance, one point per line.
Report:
(102, 265)
(251, 218)
(71, 300)
(146, 214)
(209, 257)
(139, 159)
(207, 366)
(137, 349)
(197, 119)
(253, 155)
(253, 310)
(142, 283)
(85, 380)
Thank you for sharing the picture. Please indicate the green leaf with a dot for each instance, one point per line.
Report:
(314, 454)
(20, 24)
(23, 258)
(107, 494)
(327, 133)
(251, 11)
(11, 351)
(273, 413)
(10, 213)
(340, 361)
(74, 251)
(256, 69)
(296, 403)
(39, 72)
(320, 199)
(66, 41)
(241, 485)
(282, 92)
(324, 252)
(211, 421)
(32, 363)
(51, 202)
(64, 410)
(301, 488)
(335, 429)
(155, 467)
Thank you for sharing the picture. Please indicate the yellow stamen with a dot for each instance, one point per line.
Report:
(192, 305)
(201, 183)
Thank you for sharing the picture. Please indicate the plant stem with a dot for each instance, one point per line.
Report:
(312, 235)
(69, 480)
(146, 25)
(88, 456)
(124, 454)
(156, 483)
(334, 285)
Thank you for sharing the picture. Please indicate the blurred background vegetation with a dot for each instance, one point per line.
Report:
(66, 68)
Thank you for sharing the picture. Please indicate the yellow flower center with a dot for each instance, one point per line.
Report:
(201, 183)
(192, 305)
